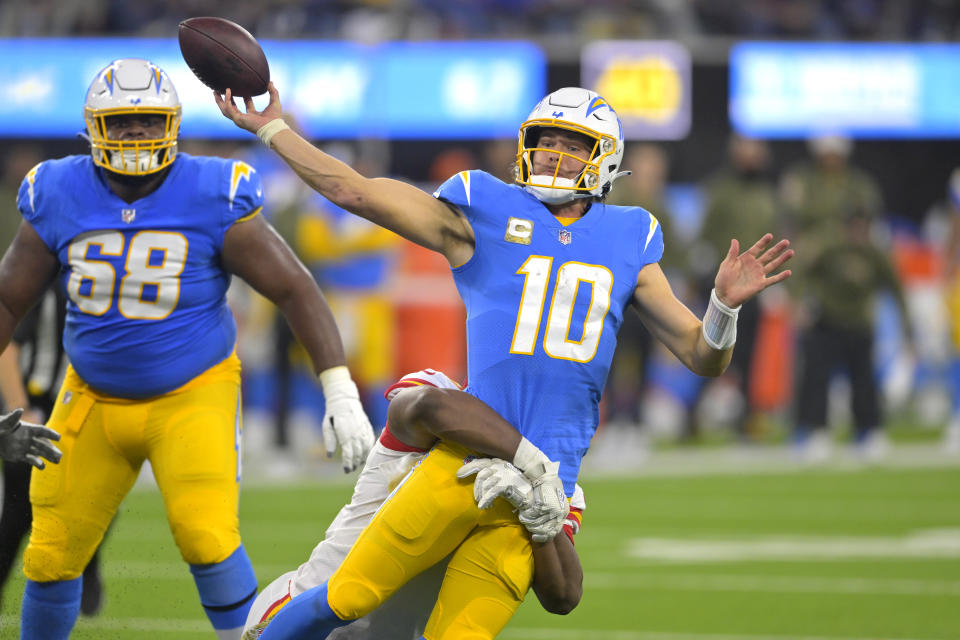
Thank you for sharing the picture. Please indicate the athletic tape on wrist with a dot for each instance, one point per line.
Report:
(720, 323)
(527, 457)
(272, 128)
(336, 381)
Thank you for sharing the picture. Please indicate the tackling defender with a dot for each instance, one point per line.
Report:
(145, 241)
(418, 420)
(546, 270)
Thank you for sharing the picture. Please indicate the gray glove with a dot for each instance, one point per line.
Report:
(26, 442)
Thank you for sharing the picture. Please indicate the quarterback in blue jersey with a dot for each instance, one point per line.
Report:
(546, 270)
(145, 240)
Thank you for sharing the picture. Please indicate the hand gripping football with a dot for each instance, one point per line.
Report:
(223, 55)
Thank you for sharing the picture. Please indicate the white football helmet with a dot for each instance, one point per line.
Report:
(580, 111)
(129, 86)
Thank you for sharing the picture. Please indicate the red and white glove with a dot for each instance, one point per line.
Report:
(571, 526)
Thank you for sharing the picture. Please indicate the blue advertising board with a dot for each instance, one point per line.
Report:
(888, 90)
(334, 89)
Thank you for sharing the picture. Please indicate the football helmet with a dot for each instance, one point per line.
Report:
(583, 112)
(125, 87)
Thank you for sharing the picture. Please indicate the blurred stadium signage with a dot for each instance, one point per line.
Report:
(891, 90)
(647, 84)
(336, 90)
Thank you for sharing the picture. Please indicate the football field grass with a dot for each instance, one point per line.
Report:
(802, 554)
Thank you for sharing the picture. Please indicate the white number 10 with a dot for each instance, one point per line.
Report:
(557, 342)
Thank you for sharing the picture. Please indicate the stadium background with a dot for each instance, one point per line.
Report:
(705, 538)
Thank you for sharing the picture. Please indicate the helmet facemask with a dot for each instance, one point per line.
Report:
(556, 188)
(583, 113)
(125, 88)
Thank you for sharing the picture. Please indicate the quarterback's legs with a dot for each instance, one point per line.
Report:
(424, 520)
(419, 525)
(194, 448)
(73, 503)
(487, 579)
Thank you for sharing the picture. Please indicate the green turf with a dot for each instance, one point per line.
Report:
(833, 590)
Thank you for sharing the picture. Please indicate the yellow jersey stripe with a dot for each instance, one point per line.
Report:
(465, 178)
(252, 214)
(653, 227)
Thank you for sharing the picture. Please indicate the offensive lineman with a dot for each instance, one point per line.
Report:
(145, 241)
(546, 270)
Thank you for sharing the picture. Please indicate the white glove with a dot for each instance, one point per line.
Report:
(548, 509)
(497, 478)
(26, 442)
(344, 421)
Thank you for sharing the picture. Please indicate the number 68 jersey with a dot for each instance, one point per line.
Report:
(146, 308)
(544, 303)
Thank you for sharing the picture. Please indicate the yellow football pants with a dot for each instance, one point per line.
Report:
(191, 438)
(429, 516)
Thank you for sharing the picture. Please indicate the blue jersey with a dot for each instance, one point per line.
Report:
(147, 310)
(544, 303)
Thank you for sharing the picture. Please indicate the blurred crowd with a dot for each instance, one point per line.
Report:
(382, 20)
(867, 296)
(860, 333)
(865, 328)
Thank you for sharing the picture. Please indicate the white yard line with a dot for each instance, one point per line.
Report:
(168, 625)
(139, 625)
(529, 633)
(923, 543)
(637, 579)
(612, 458)
(779, 584)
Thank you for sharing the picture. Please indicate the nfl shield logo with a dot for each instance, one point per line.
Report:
(565, 236)
(128, 215)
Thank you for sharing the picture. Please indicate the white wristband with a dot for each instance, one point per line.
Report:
(720, 324)
(336, 381)
(272, 128)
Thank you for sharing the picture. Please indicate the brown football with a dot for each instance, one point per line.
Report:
(223, 55)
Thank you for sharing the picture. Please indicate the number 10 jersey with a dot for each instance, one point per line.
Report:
(544, 303)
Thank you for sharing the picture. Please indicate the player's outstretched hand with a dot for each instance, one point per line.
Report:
(743, 275)
(252, 120)
(497, 478)
(27, 442)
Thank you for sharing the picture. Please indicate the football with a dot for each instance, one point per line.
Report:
(223, 55)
